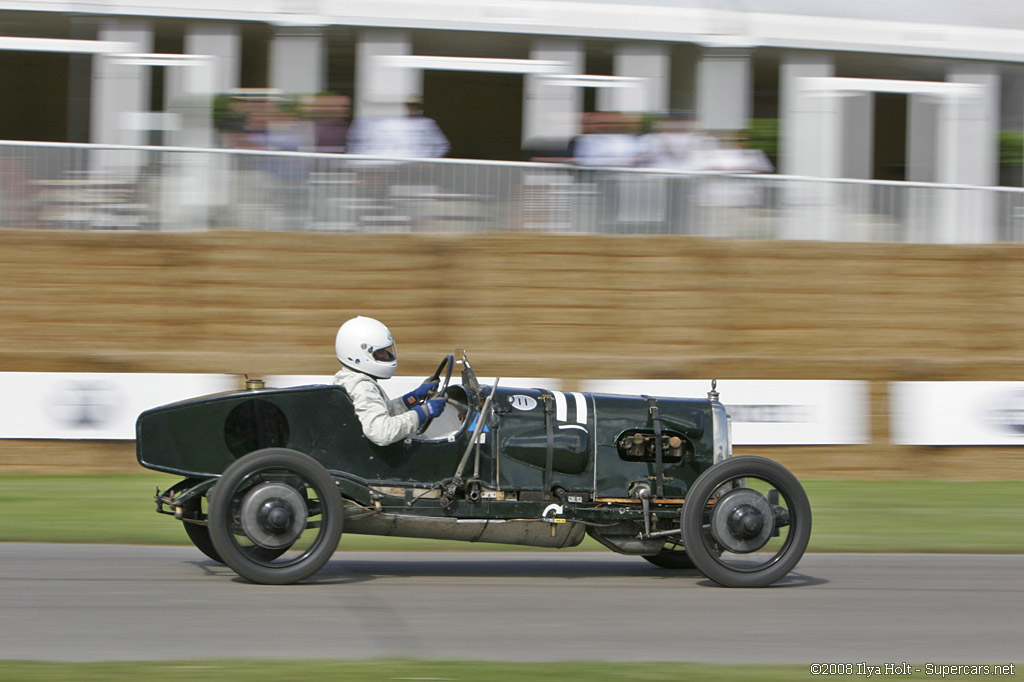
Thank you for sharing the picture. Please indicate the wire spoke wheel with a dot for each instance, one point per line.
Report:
(746, 522)
(275, 516)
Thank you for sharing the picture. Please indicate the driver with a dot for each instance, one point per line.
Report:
(366, 351)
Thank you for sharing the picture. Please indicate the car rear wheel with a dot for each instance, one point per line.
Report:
(199, 534)
(746, 522)
(275, 516)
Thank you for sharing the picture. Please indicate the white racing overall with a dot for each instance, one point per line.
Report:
(384, 420)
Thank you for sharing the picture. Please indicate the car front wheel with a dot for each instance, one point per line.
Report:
(746, 522)
(275, 516)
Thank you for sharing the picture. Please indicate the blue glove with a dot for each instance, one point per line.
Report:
(429, 409)
(419, 394)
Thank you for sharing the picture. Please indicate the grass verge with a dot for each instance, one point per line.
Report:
(849, 516)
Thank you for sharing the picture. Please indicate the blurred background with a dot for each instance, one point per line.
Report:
(630, 190)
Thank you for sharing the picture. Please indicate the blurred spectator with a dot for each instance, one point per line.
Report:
(229, 116)
(676, 144)
(329, 114)
(733, 156)
(262, 119)
(609, 140)
(274, 125)
(285, 132)
(413, 136)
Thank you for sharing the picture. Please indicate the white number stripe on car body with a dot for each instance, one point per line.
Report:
(581, 408)
(562, 407)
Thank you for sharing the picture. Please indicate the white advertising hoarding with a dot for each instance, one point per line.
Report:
(104, 406)
(957, 412)
(93, 406)
(768, 412)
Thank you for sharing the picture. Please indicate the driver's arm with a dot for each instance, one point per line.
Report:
(384, 421)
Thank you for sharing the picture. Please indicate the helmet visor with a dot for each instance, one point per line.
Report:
(385, 354)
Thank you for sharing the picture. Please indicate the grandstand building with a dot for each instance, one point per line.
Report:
(907, 90)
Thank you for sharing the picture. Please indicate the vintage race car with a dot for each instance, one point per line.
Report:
(273, 476)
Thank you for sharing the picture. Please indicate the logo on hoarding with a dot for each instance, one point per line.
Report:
(1008, 414)
(85, 405)
(771, 414)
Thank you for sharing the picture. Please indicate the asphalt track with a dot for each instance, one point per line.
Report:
(104, 602)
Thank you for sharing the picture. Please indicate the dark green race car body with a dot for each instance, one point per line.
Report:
(510, 465)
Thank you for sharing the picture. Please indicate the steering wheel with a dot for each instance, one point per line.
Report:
(448, 362)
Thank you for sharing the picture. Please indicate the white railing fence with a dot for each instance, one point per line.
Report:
(81, 186)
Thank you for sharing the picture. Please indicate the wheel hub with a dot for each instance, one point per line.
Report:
(742, 520)
(745, 522)
(273, 515)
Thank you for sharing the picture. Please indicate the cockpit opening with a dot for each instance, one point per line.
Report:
(451, 421)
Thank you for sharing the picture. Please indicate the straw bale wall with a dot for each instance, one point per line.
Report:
(574, 307)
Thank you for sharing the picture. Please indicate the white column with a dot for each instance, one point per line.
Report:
(189, 89)
(382, 89)
(193, 182)
(969, 149)
(968, 154)
(297, 61)
(120, 92)
(808, 129)
(224, 42)
(650, 62)
(551, 113)
(724, 89)
(809, 144)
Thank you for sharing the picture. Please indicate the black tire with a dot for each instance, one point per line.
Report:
(672, 558)
(276, 516)
(197, 533)
(737, 560)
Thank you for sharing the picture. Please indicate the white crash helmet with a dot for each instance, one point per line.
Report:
(366, 345)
